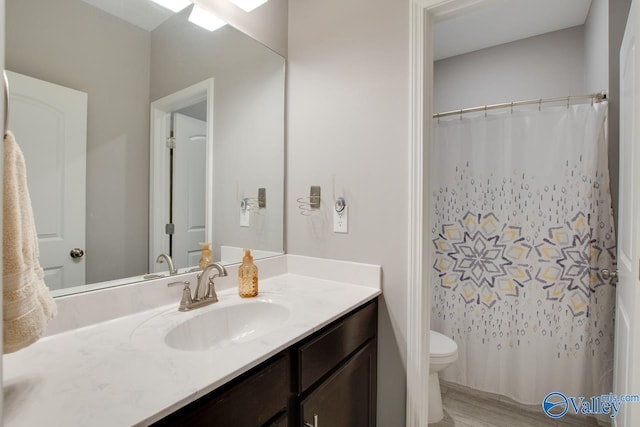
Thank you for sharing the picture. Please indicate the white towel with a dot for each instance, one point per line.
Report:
(27, 303)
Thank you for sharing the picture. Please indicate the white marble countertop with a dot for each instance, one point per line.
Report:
(121, 372)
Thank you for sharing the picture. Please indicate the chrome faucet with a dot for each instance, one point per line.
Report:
(211, 291)
(189, 302)
(166, 258)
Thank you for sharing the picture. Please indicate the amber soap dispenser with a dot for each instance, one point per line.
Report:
(247, 276)
(206, 257)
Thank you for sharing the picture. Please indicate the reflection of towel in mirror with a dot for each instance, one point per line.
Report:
(27, 303)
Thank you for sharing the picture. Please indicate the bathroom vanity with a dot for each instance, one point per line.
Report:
(328, 378)
(304, 348)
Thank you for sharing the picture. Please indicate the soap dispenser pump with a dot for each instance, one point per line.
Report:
(247, 276)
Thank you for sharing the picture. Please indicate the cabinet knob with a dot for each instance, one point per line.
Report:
(315, 422)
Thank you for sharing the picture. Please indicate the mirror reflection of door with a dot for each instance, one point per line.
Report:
(189, 185)
(50, 125)
(180, 190)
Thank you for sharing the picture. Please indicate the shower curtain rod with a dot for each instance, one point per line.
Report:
(597, 97)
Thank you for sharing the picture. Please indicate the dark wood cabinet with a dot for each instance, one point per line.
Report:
(326, 349)
(281, 421)
(348, 397)
(330, 375)
(254, 399)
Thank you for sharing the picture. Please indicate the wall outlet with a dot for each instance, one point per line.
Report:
(341, 221)
(245, 217)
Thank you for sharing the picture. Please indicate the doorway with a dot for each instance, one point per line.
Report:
(423, 14)
(181, 175)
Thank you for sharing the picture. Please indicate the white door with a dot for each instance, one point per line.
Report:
(50, 125)
(627, 346)
(189, 189)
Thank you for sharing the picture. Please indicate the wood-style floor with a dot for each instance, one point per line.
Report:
(465, 407)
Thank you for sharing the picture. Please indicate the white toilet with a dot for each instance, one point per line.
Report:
(444, 351)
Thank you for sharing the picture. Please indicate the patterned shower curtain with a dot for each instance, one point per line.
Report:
(522, 229)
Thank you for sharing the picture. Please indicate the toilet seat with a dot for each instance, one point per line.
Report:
(441, 346)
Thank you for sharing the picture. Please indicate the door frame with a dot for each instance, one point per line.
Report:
(160, 125)
(422, 14)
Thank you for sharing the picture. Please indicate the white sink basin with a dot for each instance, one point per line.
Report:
(226, 324)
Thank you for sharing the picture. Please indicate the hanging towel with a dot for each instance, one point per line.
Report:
(27, 303)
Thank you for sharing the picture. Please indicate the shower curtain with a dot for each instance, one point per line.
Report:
(522, 229)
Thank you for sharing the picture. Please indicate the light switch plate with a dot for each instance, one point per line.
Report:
(245, 218)
(341, 221)
(314, 197)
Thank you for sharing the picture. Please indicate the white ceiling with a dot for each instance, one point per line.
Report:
(490, 23)
(141, 13)
(494, 22)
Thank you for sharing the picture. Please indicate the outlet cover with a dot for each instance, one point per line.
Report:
(341, 221)
(245, 218)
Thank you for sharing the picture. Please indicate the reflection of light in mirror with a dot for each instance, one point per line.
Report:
(248, 5)
(173, 5)
(205, 19)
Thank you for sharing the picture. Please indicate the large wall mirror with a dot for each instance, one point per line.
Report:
(143, 134)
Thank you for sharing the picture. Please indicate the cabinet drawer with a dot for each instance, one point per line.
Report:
(318, 356)
(250, 402)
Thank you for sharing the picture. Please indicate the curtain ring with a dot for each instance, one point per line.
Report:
(568, 100)
(485, 111)
(540, 105)
(460, 114)
(511, 107)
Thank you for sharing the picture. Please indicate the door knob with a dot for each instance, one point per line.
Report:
(76, 253)
(608, 274)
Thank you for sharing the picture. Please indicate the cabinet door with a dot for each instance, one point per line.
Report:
(326, 350)
(281, 421)
(348, 397)
(251, 402)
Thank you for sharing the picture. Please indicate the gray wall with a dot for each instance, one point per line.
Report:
(72, 44)
(267, 23)
(546, 66)
(248, 121)
(348, 115)
(596, 47)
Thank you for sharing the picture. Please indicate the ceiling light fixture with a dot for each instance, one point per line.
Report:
(248, 5)
(205, 19)
(173, 5)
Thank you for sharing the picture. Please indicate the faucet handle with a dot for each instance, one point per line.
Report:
(211, 290)
(185, 284)
(187, 300)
